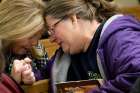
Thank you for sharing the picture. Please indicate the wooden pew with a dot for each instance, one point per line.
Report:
(49, 47)
(132, 10)
(40, 86)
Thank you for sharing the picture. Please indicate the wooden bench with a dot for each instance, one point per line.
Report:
(132, 10)
(40, 86)
(49, 47)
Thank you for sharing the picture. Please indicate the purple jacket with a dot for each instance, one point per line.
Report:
(119, 54)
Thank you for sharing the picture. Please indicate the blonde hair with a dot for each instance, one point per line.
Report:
(20, 18)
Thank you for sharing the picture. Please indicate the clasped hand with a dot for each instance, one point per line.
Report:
(22, 71)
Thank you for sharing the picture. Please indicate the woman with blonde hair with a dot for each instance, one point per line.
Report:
(22, 47)
(19, 19)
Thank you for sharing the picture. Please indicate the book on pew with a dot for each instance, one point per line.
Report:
(81, 86)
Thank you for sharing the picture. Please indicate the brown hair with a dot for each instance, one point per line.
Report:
(86, 9)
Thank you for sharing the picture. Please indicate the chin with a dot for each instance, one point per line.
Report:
(75, 51)
(70, 51)
(65, 51)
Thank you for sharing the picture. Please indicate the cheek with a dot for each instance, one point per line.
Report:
(61, 34)
(75, 48)
(58, 34)
(76, 44)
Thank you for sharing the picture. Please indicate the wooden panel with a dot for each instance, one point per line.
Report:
(40, 86)
(133, 10)
(49, 47)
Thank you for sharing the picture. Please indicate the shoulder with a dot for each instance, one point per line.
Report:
(119, 26)
(122, 31)
(9, 84)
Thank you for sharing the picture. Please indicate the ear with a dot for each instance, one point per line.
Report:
(73, 18)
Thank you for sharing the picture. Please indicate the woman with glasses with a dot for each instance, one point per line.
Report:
(95, 42)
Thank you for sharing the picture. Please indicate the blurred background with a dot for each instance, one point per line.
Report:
(128, 3)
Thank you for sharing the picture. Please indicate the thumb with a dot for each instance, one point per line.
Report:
(27, 60)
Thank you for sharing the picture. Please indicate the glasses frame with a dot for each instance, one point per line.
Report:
(51, 30)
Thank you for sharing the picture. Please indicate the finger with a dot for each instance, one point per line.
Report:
(26, 81)
(23, 66)
(29, 80)
(17, 66)
(30, 77)
(16, 71)
(27, 67)
(26, 72)
(27, 60)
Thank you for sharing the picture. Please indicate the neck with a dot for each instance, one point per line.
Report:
(90, 33)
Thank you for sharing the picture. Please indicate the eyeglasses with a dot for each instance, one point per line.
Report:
(51, 30)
